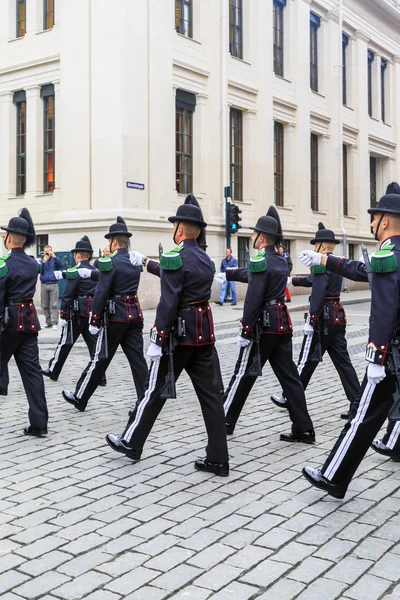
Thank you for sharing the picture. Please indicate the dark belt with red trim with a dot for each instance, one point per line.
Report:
(332, 299)
(19, 301)
(273, 302)
(193, 305)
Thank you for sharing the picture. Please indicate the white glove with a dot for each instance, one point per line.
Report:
(154, 352)
(63, 323)
(84, 272)
(220, 278)
(308, 329)
(93, 329)
(289, 281)
(375, 373)
(136, 258)
(58, 275)
(310, 258)
(242, 342)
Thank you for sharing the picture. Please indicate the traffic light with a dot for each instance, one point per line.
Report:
(234, 218)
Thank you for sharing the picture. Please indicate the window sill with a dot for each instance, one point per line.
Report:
(186, 37)
(17, 39)
(374, 119)
(240, 60)
(318, 93)
(283, 78)
(16, 197)
(44, 31)
(42, 194)
(288, 208)
(387, 124)
(348, 107)
(352, 217)
(320, 212)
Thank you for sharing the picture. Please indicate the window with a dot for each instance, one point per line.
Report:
(345, 188)
(345, 43)
(384, 64)
(21, 18)
(20, 102)
(184, 17)
(243, 251)
(286, 243)
(314, 26)
(185, 106)
(314, 171)
(351, 251)
(278, 162)
(371, 57)
(236, 28)
(41, 242)
(48, 14)
(279, 5)
(372, 180)
(236, 154)
(49, 151)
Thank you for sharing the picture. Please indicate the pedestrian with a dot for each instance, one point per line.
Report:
(266, 333)
(117, 318)
(371, 408)
(76, 306)
(49, 286)
(325, 327)
(184, 320)
(18, 279)
(285, 254)
(229, 262)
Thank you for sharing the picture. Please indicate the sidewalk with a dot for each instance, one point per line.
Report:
(221, 314)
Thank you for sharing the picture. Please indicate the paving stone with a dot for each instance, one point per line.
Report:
(83, 563)
(219, 576)
(331, 590)
(211, 556)
(386, 567)
(10, 580)
(126, 583)
(368, 588)
(285, 589)
(82, 586)
(40, 585)
(177, 578)
(310, 569)
(123, 564)
(40, 547)
(147, 592)
(47, 562)
(169, 559)
(236, 591)
(191, 592)
(265, 573)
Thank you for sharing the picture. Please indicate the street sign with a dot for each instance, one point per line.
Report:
(134, 186)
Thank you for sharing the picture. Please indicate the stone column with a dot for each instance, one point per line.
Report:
(7, 146)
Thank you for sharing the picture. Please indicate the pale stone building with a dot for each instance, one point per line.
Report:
(123, 107)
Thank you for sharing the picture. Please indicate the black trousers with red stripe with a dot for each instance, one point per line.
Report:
(66, 344)
(278, 350)
(199, 363)
(130, 337)
(334, 342)
(368, 413)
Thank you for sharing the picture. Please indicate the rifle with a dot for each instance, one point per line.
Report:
(160, 250)
(105, 333)
(367, 263)
(394, 413)
(70, 325)
(255, 369)
(168, 390)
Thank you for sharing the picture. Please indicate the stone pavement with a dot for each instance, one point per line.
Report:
(78, 521)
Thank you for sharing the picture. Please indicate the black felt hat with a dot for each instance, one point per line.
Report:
(324, 235)
(270, 224)
(22, 225)
(389, 203)
(201, 239)
(118, 228)
(83, 245)
(188, 213)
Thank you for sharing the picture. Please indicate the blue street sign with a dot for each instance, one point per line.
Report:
(134, 186)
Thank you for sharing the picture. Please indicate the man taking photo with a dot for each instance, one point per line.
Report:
(49, 288)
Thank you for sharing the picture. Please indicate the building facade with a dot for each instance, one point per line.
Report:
(124, 107)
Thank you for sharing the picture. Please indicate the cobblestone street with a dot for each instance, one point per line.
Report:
(77, 521)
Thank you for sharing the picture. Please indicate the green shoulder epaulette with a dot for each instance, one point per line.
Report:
(213, 266)
(318, 269)
(171, 261)
(7, 256)
(105, 263)
(258, 264)
(72, 272)
(384, 260)
(3, 268)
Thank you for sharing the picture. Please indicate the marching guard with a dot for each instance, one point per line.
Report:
(116, 319)
(266, 332)
(371, 408)
(19, 320)
(76, 306)
(182, 338)
(325, 327)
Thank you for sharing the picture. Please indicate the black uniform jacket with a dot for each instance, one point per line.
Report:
(185, 293)
(17, 289)
(81, 290)
(325, 298)
(384, 300)
(119, 285)
(266, 292)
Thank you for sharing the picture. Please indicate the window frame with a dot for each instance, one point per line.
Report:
(236, 154)
(345, 44)
(384, 65)
(371, 58)
(372, 181)
(279, 155)
(236, 28)
(243, 251)
(46, 13)
(182, 6)
(345, 182)
(21, 152)
(314, 171)
(41, 243)
(49, 185)
(20, 29)
(315, 23)
(278, 37)
(185, 104)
